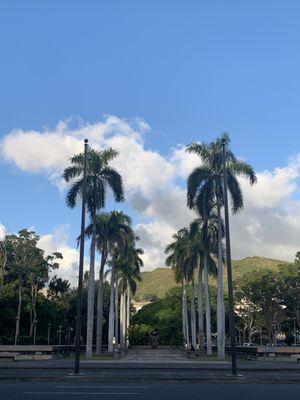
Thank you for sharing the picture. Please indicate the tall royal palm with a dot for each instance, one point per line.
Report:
(100, 175)
(120, 244)
(190, 254)
(206, 183)
(204, 247)
(110, 228)
(176, 259)
(128, 265)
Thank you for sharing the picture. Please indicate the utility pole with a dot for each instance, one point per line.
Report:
(229, 269)
(81, 258)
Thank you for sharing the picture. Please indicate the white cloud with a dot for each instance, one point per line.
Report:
(58, 242)
(154, 237)
(269, 225)
(3, 231)
(273, 187)
(184, 162)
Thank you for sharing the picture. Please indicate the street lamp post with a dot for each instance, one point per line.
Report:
(229, 270)
(49, 329)
(81, 257)
(34, 331)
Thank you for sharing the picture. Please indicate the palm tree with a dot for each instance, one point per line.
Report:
(111, 228)
(205, 241)
(205, 183)
(190, 255)
(195, 230)
(125, 238)
(99, 175)
(177, 261)
(128, 265)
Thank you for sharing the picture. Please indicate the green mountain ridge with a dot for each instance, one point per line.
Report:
(156, 283)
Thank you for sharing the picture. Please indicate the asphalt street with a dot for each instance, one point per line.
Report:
(175, 391)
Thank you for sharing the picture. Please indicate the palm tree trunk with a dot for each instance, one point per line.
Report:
(193, 314)
(91, 294)
(220, 292)
(207, 309)
(122, 319)
(200, 307)
(183, 314)
(186, 321)
(116, 313)
(100, 302)
(127, 313)
(111, 325)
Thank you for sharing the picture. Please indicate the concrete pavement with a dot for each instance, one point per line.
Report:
(84, 391)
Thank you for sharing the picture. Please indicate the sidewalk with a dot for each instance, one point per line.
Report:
(118, 370)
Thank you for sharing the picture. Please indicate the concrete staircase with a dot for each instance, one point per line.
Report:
(144, 354)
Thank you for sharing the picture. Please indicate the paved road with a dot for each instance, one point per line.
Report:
(84, 391)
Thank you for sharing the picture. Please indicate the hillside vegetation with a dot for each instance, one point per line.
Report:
(156, 283)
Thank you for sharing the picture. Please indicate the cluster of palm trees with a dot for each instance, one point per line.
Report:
(112, 235)
(197, 247)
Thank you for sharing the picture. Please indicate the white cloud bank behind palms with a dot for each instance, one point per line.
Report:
(269, 226)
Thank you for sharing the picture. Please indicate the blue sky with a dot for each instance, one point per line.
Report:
(190, 69)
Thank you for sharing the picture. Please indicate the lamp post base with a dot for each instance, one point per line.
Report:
(73, 374)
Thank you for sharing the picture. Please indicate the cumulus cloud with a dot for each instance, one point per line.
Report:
(155, 189)
(3, 231)
(58, 242)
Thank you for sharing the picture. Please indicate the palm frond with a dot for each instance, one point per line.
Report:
(201, 149)
(73, 193)
(109, 154)
(196, 180)
(241, 168)
(115, 182)
(235, 192)
(72, 172)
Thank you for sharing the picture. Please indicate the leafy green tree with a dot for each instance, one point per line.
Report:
(163, 315)
(264, 290)
(58, 287)
(27, 270)
(139, 334)
(289, 276)
(3, 259)
(38, 276)
(100, 175)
